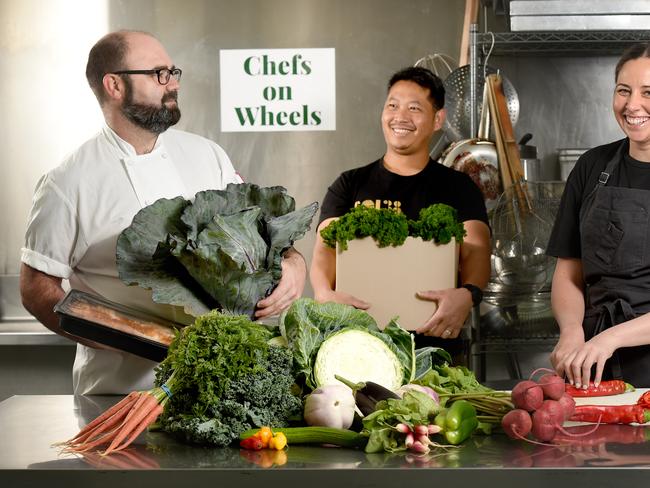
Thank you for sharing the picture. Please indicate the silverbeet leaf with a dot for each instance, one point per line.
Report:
(223, 250)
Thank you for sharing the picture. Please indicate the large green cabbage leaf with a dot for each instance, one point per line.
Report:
(223, 250)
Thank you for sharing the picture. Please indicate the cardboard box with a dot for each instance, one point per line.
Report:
(389, 277)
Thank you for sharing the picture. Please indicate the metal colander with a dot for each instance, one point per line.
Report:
(457, 101)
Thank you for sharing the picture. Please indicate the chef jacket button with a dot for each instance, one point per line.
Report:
(163, 155)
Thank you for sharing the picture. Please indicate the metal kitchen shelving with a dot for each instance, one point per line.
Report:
(560, 43)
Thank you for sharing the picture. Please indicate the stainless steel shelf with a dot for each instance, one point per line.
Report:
(560, 43)
(29, 333)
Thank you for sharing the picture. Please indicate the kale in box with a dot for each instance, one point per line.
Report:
(384, 259)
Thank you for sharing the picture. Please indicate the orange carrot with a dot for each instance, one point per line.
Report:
(116, 418)
(105, 438)
(84, 433)
(107, 414)
(146, 422)
(121, 424)
(133, 420)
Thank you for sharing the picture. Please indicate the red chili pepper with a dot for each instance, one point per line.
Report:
(611, 414)
(605, 388)
(644, 400)
(253, 443)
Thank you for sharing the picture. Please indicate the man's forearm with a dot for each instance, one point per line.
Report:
(475, 254)
(40, 293)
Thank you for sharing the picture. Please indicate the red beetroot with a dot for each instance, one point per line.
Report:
(517, 423)
(544, 425)
(568, 405)
(552, 386)
(527, 395)
(554, 407)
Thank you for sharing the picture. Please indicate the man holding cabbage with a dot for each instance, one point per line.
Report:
(82, 206)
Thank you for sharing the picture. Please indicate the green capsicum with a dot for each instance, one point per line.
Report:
(458, 421)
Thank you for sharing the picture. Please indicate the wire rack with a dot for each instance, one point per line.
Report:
(561, 43)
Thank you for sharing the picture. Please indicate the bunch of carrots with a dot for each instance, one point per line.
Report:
(121, 424)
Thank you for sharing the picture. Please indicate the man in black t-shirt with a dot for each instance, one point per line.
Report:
(406, 180)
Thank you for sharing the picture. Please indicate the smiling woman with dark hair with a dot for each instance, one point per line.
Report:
(601, 286)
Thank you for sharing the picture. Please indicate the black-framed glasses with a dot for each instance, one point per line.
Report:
(163, 74)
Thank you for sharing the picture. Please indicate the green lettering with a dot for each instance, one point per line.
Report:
(306, 66)
(316, 118)
(247, 66)
(248, 115)
(284, 68)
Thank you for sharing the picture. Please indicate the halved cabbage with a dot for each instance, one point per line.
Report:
(357, 356)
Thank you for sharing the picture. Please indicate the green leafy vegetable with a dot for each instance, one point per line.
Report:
(227, 379)
(414, 408)
(223, 250)
(307, 324)
(438, 223)
(387, 227)
(453, 383)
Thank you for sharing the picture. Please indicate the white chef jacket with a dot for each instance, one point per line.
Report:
(81, 207)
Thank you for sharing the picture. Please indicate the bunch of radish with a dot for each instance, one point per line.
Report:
(541, 407)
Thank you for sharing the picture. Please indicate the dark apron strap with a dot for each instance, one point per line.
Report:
(603, 178)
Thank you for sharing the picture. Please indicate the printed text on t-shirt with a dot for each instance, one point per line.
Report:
(392, 205)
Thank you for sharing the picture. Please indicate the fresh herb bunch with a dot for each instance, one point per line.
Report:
(387, 227)
(227, 379)
(438, 223)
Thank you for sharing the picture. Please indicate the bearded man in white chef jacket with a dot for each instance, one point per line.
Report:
(82, 206)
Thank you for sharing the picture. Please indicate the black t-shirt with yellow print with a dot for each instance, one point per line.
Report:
(373, 185)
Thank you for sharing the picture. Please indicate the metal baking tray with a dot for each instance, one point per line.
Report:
(109, 323)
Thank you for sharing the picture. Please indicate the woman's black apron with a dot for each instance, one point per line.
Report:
(614, 228)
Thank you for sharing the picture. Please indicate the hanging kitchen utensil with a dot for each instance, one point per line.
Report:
(478, 158)
(471, 16)
(457, 101)
(520, 232)
(440, 65)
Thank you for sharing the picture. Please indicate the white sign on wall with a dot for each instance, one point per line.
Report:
(277, 90)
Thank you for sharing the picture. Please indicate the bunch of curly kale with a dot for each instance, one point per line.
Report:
(438, 223)
(225, 379)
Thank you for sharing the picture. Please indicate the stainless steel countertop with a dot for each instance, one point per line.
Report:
(29, 425)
